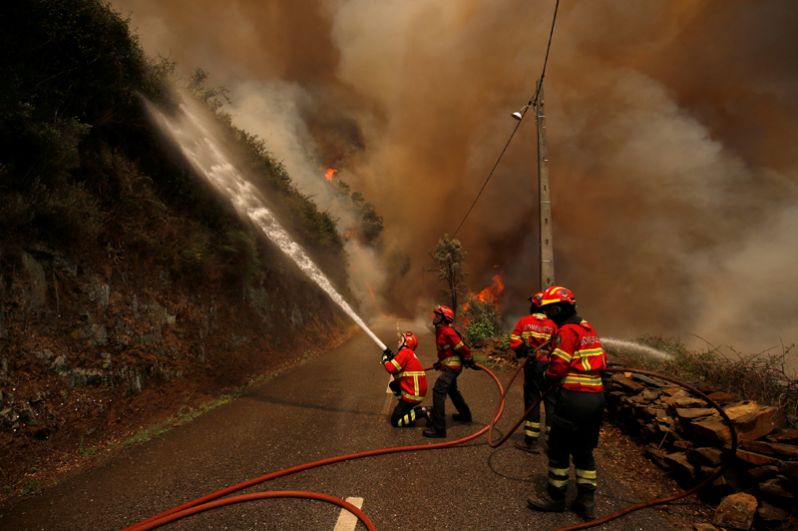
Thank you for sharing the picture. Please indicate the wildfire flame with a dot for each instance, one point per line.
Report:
(329, 173)
(488, 295)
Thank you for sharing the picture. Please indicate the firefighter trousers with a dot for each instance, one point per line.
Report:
(405, 414)
(533, 389)
(446, 385)
(574, 433)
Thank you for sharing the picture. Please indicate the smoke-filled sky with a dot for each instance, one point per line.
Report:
(671, 126)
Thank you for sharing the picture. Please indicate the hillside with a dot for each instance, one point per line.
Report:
(128, 289)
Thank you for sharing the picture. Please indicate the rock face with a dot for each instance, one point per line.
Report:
(79, 342)
(691, 440)
(736, 511)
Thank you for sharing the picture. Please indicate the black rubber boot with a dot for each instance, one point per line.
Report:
(585, 504)
(553, 502)
(529, 444)
(461, 417)
(432, 433)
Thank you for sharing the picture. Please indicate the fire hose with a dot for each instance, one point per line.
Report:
(212, 501)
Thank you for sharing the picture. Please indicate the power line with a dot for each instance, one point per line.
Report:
(531, 103)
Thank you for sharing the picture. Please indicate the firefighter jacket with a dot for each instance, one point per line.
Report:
(577, 358)
(534, 330)
(451, 348)
(408, 370)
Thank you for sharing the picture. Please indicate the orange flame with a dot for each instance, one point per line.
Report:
(488, 295)
(329, 173)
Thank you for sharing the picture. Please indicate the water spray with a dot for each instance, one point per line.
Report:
(200, 149)
(635, 348)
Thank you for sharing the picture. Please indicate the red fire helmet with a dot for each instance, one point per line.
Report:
(445, 312)
(555, 294)
(536, 299)
(408, 340)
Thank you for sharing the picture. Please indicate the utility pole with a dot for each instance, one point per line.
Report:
(544, 229)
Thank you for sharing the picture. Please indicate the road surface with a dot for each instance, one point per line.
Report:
(331, 405)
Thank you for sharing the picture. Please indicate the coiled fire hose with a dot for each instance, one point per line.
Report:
(212, 501)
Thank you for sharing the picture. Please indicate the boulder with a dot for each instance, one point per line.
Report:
(736, 511)
(770, 514)
(627, 383)
(681, 468)
(760, 473)
(753, 458)
(783, 451)
(789, 436)
(705, 456)
(777, 488)
(751, 421)
(656, 455)
(692, 413)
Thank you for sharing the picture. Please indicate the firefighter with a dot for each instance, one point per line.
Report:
(453, 355)
(531, 337)
(409, 382)
(577, 360)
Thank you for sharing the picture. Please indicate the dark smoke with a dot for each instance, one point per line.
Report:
(671, 127)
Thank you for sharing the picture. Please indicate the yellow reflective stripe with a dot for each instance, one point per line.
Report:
(530, 424)
(582, 380)
(451, 361)
(590, 352)
(560, 353)
(536, 335)
(396, 364)
(532, 433)
(413, 373)
(414, 398)
(515, 336)
(587, 474)
(558, 471)
(459, 346)
(558, 483)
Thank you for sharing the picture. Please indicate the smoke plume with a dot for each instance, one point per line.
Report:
(670, 124)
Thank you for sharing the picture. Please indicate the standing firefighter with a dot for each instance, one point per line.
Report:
(531, 337)
(453, 354)
(577, 360)
(409, 383)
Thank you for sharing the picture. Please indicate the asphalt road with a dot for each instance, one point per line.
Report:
(332, 405)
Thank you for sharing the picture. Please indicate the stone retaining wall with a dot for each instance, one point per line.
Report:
(689, 439)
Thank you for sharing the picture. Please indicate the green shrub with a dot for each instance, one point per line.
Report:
(482, 322)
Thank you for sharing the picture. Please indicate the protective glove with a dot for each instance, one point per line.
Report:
(522, 351)
(469, 363)
(436, 365)
(387, 355)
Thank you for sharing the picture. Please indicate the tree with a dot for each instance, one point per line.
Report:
(448, 258)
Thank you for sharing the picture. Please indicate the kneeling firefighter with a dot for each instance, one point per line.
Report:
(409, 382)
(577, 360)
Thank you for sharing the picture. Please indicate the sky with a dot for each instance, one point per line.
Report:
(671, 129)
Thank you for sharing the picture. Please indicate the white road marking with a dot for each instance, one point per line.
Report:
(346, 520)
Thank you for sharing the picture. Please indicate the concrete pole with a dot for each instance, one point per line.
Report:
(545, 230)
